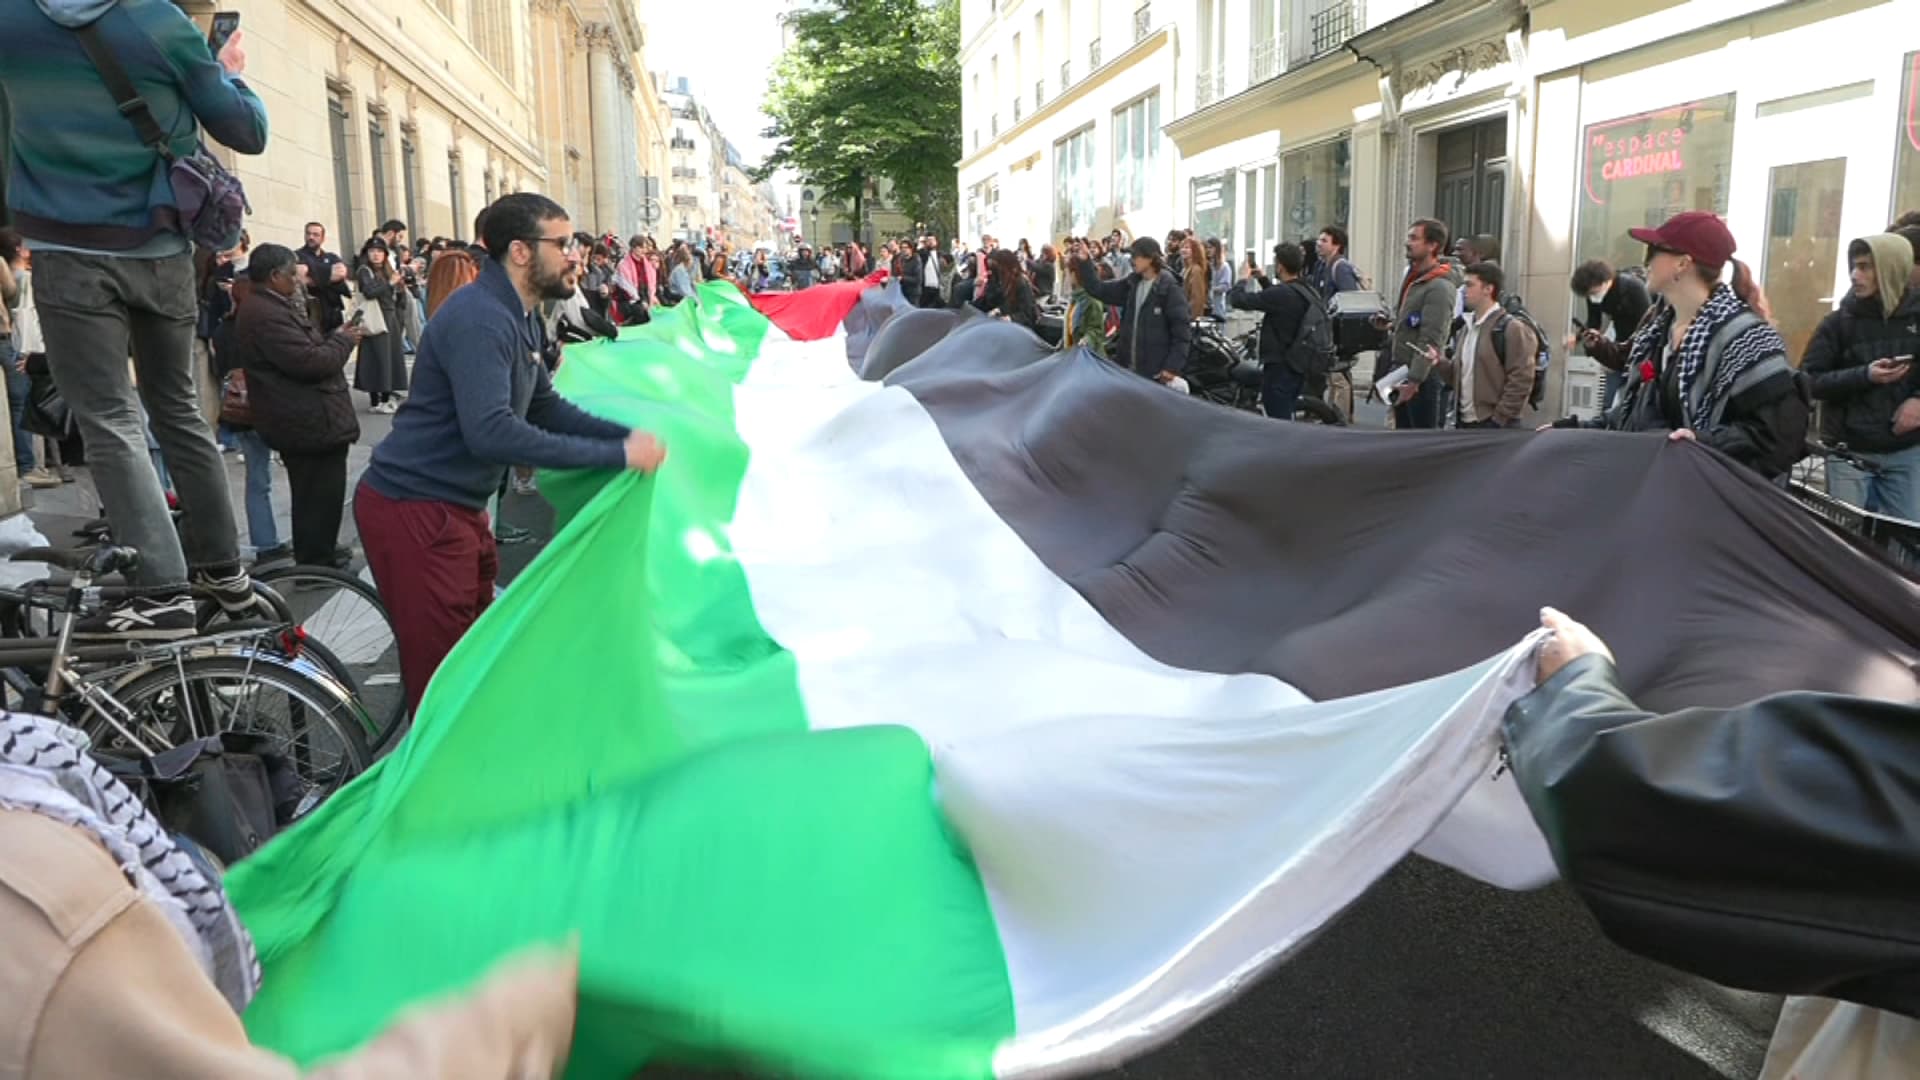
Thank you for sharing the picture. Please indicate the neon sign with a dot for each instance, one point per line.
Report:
(1637, 147)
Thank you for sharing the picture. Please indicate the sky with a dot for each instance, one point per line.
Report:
(726, 49)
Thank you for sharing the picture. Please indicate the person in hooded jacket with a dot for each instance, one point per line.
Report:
(1862, 365)
(1156, 327)
(1706, 364)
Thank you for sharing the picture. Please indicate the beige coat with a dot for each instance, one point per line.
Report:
(1500, 390)
(96, 983)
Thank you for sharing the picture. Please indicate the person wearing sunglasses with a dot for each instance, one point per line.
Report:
(482, 401)
(1707, 364)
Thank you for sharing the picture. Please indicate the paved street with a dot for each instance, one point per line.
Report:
(1428, 976)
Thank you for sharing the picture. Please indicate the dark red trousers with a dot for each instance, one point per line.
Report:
(434, 564)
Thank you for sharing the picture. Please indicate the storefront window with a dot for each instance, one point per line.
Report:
(1212, 215)
(1316, 189)
(1641, 170)
(1906, 159)
(1073, 194)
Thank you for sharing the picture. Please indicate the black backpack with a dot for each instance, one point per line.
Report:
(1515, 308)
(1312, 352)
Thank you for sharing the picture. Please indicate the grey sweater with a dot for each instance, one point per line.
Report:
(482, 401)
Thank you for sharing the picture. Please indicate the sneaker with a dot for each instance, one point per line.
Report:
(41, 478)
(273, 554)
(511, 534)
(230, 585)
(144, 618)
(66, 475)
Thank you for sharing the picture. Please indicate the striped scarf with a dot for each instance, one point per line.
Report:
(44, 769)
(1746, 349)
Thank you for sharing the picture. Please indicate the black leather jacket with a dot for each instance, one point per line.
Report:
(1773, 847)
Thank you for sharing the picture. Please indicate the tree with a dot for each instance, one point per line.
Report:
(870, 89)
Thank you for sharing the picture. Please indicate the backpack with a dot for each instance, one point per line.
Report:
(209, 200)
(1312, 352)
(1513, 307)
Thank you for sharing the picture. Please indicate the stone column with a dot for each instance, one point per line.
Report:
(606, 102)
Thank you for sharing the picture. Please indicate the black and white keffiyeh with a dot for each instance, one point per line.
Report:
(45, 769)
(1745, 349)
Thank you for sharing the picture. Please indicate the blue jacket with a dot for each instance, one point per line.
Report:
(481, 401)
(78, 174)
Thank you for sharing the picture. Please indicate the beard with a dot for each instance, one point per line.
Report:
(553, 286)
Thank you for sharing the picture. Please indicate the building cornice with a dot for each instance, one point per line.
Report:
(1100, 76)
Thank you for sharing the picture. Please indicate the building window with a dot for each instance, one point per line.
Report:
(1212, 207)
(1641, 170)
(342, 169)
(1316, 188)
(983, 206)
(377, 153)
(492, 34)
(1906, 159)
(1136, 150)
(1073, 193)
(457, 196)
(410, 181)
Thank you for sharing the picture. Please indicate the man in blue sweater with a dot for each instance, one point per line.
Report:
(481, 401)
(113, 273)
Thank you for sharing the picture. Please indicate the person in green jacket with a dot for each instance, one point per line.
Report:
(1085, 322)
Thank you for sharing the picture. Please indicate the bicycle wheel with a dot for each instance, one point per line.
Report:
(309, 720)
(343, 613)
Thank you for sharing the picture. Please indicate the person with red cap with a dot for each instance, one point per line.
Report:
(1707, 363)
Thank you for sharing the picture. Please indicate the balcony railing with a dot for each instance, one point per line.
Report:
(1210, 86)
(682, 173)
(1142, 22)
(1093, 55)
(1334, 24)
(1039, 94)
(1269, 59)
(688, 201)
(683, 144)
(1066, 75)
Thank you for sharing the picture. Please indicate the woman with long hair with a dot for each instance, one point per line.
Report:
(452, 268)
(1195, 274)
(381, 370)
(1046, 271)
(1009, 292)
(1219, 278)
(1706, 364)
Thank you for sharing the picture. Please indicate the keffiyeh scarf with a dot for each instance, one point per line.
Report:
(45, 769)
(1745, 349)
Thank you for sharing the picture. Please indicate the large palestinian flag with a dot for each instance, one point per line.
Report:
(947, 707)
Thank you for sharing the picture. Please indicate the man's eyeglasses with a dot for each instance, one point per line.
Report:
(568, 245)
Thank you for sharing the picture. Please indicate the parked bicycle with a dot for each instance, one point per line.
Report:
(144, 698)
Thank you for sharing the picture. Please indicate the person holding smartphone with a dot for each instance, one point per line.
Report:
(1861, 364)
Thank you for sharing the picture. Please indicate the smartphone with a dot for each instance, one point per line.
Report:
(358, 317)
(224, 24)
(1251, 261)
(1579, 327)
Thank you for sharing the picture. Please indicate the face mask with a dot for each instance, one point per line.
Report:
(1597, 297)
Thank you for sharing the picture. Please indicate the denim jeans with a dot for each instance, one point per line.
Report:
(1423, 411)
(17, 386)
(260, 529)
(1280, 390)
(96, 311)
(1895, 491)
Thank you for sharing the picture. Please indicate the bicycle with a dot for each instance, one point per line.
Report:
(340, 615)
(149, 697)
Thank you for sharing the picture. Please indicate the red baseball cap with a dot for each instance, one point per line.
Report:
(1695, 233)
